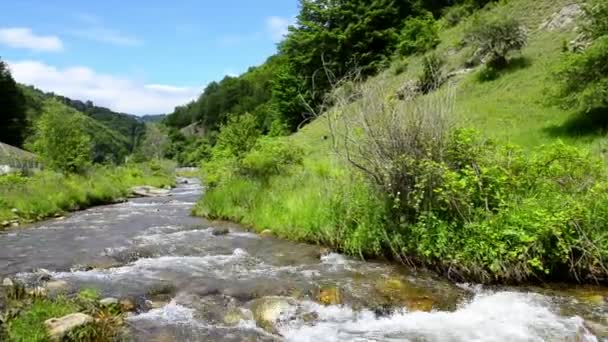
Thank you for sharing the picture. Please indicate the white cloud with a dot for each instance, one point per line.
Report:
(277, 27)
(105, 35)
(119, 94)
(22, 37)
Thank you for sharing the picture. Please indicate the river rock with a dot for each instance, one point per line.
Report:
(8, 282)
(58, 327)
(220, 231)
(234, 316)
(43, 275)
(109, 301)
(266, 233)
(56, 286)
(400, 293)
(127, 304)
(268, 310)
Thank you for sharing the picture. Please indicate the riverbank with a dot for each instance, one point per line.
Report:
(49, 194)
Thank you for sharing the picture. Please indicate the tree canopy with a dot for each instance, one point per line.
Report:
(13, 121)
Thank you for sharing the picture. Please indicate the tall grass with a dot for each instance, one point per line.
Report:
(48, 193)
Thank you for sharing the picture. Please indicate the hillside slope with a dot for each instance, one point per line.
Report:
(109, 143)
(527, 204)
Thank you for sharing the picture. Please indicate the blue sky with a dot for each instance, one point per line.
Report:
(140, 57)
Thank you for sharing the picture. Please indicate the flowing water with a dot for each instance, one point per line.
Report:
(192, 283)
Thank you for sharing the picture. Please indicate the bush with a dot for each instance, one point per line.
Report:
(583, 77)
(495, 37)
(419, 35)
(596, 12)
(61, 140)
(432, 75)
(271, 156)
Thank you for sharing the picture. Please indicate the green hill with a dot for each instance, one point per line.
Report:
(114, 135)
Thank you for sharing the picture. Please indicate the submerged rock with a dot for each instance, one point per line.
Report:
(234, 316)
(268, 310)
(58, 327)
(220, 231)
(400, 293)
(330, 296)
(266, 233)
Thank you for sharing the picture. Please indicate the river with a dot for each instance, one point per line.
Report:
(192, 282)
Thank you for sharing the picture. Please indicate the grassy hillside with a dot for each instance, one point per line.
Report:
(110, 143)
(507, 213)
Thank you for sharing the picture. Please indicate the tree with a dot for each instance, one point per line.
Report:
(155, 143)
(332, 38)
(495, 37)
(419, 35)
(61, 140)
(13, 122)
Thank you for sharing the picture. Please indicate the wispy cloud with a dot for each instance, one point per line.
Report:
(105, 35)
(117, 93)
(277, 27)
(24, 38)
(95, 30)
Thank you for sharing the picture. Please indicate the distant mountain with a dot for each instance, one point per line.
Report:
(153, 118)
(114, 135)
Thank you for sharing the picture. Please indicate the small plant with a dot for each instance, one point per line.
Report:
(419, 35)
(432, 74)
(596, 12)
(495, 37)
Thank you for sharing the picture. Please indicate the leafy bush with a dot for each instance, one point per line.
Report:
(583, 77)
(596, 12)
(432, 75)
(61, 140)
(271, 156)
(495, 37)
(419, 35)
(239, 135)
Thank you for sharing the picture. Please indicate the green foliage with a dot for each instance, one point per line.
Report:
(432, 76)
(583, 76)
(494, 37)
(287, 102)
(239, 135)
(453, 15)
(419, 35)
(61, 140)
(332, 38)
(13, 121)
(29, 325)
(88, 294)
(596, 12)
(48, 193)
(270, 156)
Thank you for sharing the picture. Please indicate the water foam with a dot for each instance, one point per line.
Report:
(501, 316)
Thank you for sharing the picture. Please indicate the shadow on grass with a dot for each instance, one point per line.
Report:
(593, 123)
(491, 73)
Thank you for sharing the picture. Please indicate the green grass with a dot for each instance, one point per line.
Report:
(47, 193)
(29, 325)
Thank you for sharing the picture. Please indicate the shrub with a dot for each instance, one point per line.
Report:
(596, 12)
(271, 156)
(61, 140)
(238, 135)
(419, 35)
(583, 77)
(432, 75)
(495, 37)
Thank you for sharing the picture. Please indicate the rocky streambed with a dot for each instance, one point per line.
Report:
(192, 280)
